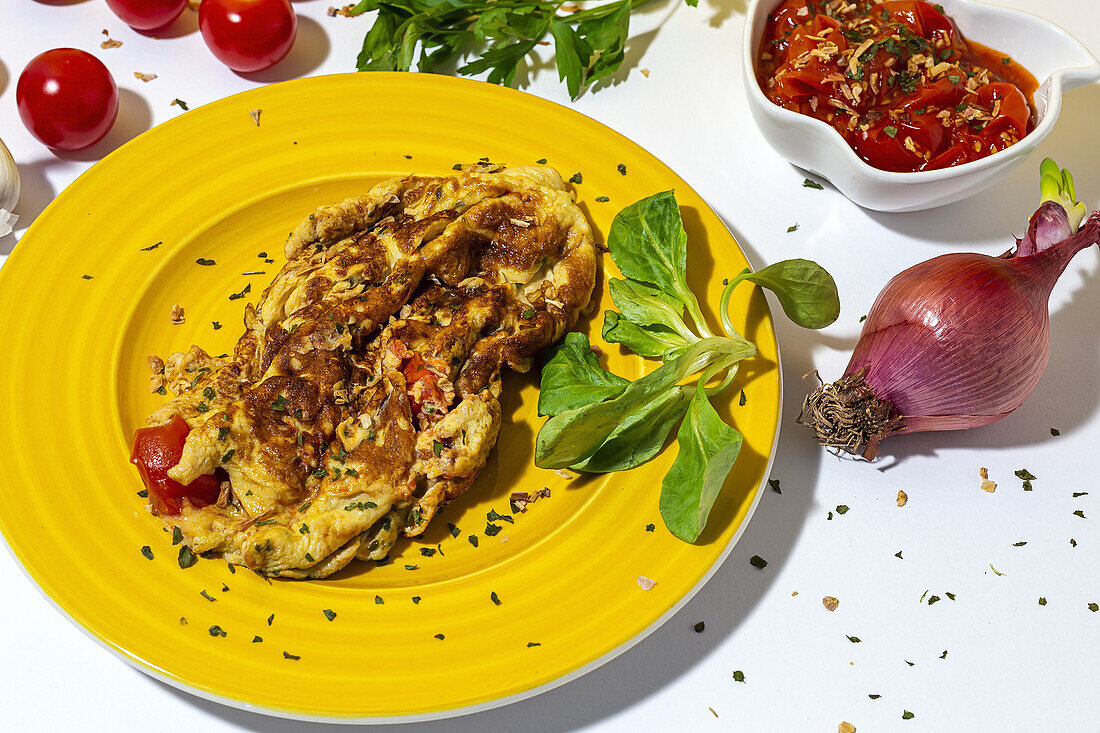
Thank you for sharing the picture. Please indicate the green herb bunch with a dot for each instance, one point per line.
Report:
(601, 422)
(589, 44)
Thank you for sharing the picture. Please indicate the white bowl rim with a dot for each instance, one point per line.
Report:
(1021, 148)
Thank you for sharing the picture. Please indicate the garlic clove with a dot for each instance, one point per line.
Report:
(9, 190)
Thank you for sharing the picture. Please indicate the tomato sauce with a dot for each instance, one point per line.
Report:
(896, 79)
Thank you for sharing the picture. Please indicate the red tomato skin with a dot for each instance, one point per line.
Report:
(67, 98)
(158, 448)
(248, 35)
(147, 15)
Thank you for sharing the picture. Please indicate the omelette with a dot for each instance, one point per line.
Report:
(364, 392)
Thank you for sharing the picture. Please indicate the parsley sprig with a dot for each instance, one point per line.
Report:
(496, 34)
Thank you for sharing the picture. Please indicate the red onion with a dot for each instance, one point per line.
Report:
(955, 342)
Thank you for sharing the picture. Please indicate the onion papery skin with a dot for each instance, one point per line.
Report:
(955, 342)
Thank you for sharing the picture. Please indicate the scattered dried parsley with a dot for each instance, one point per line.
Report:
(1080, 493)
(186, 557)
(541, 161)
(533, 643)
(494, 598)
(603, 199)
(412, 567)
(741, 399)
(874, 697)
(854, 639)
(416, 599)
(933, 599)
(906, 715)
(774, 483)
(257, 639)
(807, 183)
(995, 570)
(699, 627)
(492, 516)
(576, 178)
(1019, 544)
(455, 531)
(270, 619)
(1055, 432)
(207, 596)
(1079, 513)
(842, 509)
(378, 600)
(151, 247)
(182, 104)
(473, 539)
(1094, 608)
(440, 637)
(216, 630)
(238, 296)
(427, 551)
(950, 595)
(293, 657)
(205, 262)
(758, 562)
(792, 228)
(147, 551)
(491, 530)
(1042, 601)
(621, 168)
(738, 676)
(650, 527)
(329, 614)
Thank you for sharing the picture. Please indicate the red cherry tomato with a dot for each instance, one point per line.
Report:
(248, 35)
(67, 98)
(147, 15)
(157, 449)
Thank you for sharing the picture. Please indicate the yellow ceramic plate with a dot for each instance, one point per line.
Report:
(86, 296)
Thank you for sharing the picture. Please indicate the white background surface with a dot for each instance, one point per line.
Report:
(1011, 665)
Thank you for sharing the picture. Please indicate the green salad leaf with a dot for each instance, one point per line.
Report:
(600, 422)
(805, 290)
(573, 378)
(708, 448)
(654, 342)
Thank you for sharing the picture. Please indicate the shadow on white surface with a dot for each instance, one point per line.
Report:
(725, 9)
(994, 215)
(4, 76)
(184, 25)
(135, 116)
(309, 51)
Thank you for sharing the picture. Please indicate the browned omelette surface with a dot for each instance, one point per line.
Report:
(363, 394)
